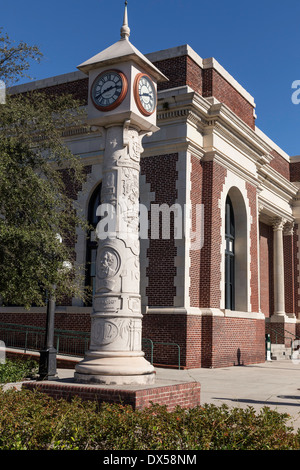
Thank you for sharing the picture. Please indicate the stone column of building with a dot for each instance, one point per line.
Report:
(115, 355)
(278, 262)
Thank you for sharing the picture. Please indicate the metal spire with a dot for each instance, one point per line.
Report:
(125, 30)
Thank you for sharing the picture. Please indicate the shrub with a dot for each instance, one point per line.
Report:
(34, 421)
(17, 370)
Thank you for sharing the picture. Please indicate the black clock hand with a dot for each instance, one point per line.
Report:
(109, 88)
(105, 91)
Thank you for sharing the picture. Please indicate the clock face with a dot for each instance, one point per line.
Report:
(145, 94)
(109, 90)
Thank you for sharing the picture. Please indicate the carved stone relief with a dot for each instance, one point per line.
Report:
(116, 333)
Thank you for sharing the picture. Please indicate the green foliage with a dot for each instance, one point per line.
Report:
(16, 371)
(39, 177)
(34, 421)
(15, 59)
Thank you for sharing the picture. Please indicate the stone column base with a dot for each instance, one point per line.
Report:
(109, 369)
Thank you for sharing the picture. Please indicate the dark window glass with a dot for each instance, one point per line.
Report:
(229, 256)
(91, 250)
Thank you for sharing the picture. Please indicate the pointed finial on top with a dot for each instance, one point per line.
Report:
(125, 30)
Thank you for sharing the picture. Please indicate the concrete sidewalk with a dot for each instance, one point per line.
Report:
(275, 384)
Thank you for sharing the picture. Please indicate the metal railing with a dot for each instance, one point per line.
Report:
(66, 342)
(146, 341)
(284, 335)
(25, 337)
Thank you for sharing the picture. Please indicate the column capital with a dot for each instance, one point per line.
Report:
(289, 228)
(260, 208)
(278, 223)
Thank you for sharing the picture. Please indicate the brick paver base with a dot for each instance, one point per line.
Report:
(186, 395)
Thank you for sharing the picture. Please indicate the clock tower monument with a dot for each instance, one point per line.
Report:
(122, 101)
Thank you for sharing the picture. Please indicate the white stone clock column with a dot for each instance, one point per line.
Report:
(115, 355)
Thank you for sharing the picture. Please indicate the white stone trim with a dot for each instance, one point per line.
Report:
(182, 260)
(272, 144)
(213, 312)
(177, 51)
(231, 181)
(258, 253)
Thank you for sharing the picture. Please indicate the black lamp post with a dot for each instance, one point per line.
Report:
(47, 365)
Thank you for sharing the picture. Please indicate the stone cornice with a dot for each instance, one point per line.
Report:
(273, 180)
(184, 104)
(209, 117)
(268, 212)
(220, 114)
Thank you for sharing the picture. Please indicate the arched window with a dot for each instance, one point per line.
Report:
(229, 256)
(91, 248)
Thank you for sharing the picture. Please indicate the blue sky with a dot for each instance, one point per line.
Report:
(257, 42)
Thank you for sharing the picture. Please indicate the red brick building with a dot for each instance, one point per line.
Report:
(214, 297)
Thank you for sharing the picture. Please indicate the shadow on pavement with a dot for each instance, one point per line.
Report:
(261, 402)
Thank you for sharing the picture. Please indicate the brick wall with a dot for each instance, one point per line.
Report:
(205, 341)
(63, 320)
(280, 164)
(180, 71)
(254, 269)
(186, 395)
(195, 255)
(266, 269)
(234, 341)
(291, 271)
(183, 70)
(296, 269)
(166, 328)
(197, 342)
(215, 85)
(210, 275)
(288, 252)
(80, 322)
(78, 89)
(161, 174)
(295, 172)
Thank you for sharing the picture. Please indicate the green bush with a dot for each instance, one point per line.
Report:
(34, 421)
(17, 370)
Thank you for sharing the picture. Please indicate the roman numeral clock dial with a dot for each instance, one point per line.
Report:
(145, 94)
(109, 90)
